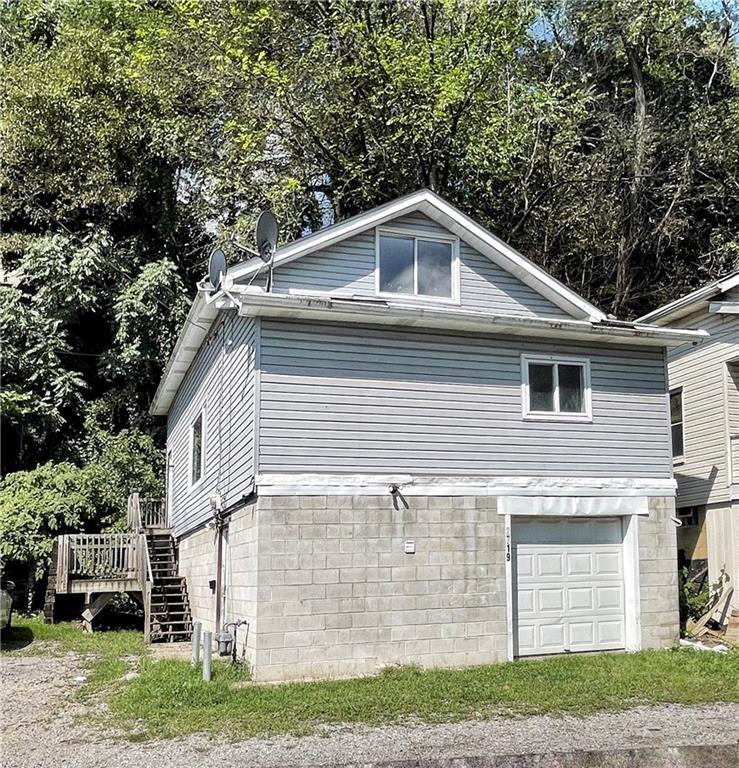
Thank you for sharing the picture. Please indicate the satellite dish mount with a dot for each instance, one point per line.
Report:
(266, 233)
(217, 268)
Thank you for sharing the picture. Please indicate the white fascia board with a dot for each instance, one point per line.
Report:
(724, 307)
(438, 209)
(276, 484)
(197, 325)
(691, 302)
(508, 258)
(382, 313)
(333, 234)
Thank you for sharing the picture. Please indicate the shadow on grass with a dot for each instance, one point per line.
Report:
(16, 638)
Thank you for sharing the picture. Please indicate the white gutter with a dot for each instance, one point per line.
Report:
(690, 302)
(197, 325)
(257, 303)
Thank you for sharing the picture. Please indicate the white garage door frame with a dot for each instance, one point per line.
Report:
(632, 601)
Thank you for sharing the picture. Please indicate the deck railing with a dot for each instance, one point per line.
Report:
(97, 557)
(144, 512)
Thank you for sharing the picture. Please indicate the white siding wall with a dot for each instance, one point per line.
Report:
(703, 475)
(348, 268)
(221, 379)
(353, 399)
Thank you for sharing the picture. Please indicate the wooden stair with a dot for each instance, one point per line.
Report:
(170, 619)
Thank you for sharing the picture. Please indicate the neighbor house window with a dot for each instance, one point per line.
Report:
(197, 449)
(414, 265)
(676, 422)
(556, 387)
(688, 516)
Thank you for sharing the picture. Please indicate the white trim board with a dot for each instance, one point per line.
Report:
(574, 506)
(377, 485)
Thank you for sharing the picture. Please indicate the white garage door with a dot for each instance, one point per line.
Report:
(568, 585)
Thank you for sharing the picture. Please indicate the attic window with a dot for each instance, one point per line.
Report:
(417, 265)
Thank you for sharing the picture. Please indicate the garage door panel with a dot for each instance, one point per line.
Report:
(526, 601)
(579, 564)
(608, 563)
(610, 598)
(569, 589)
(580, 599)
(551, 638)
(551, 599)
(582, 635)
(525, 565)
(527, 641)
(549, 564)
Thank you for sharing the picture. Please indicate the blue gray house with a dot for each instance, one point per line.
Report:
(418, 447)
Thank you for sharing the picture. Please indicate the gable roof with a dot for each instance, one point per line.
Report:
(691, 302)
(444, 213)
(587, 322)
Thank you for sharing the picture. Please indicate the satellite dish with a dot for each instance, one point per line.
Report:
(217, 268)
(266, 235)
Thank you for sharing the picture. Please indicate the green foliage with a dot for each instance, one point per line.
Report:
(169, 698)
(600, 138)
(59, 497)
(694, 596)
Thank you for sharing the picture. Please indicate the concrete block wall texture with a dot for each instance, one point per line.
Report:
(240, 556)
(345, 598)
(197, 563)
(329, 590)
(660, 612)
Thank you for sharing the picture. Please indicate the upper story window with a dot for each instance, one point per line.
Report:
(417, 265)
(556, 387)
(197, 449)
(676, 423)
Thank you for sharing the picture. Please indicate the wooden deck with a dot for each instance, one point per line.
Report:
(101, 565)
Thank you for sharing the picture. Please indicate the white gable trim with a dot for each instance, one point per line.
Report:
(437, 209)
(691, 302)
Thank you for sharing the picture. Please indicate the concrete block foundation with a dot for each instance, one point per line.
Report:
(336, 586)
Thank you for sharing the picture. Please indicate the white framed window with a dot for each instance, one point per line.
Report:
(676, 424)
(556, 387)
(412, 264)
(196, 469)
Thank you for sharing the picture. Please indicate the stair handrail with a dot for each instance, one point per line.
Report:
(136, 524)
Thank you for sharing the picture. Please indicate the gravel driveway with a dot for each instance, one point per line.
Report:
(41, 728)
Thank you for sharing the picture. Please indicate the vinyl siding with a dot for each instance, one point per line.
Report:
(351, 399)
(703, 475)
(221, 379)
(348, 268)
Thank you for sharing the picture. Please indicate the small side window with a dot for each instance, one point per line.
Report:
(676, 423)
(197, 449)
(557, 388)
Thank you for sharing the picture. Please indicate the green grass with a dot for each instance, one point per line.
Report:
(170, 699)
(102, 653)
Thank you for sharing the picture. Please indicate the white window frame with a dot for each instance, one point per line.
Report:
(556, 415)
(190, 484)
(418, 235)
(680, 457)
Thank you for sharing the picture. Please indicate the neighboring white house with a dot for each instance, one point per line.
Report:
(704, 405)
(418, 447)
